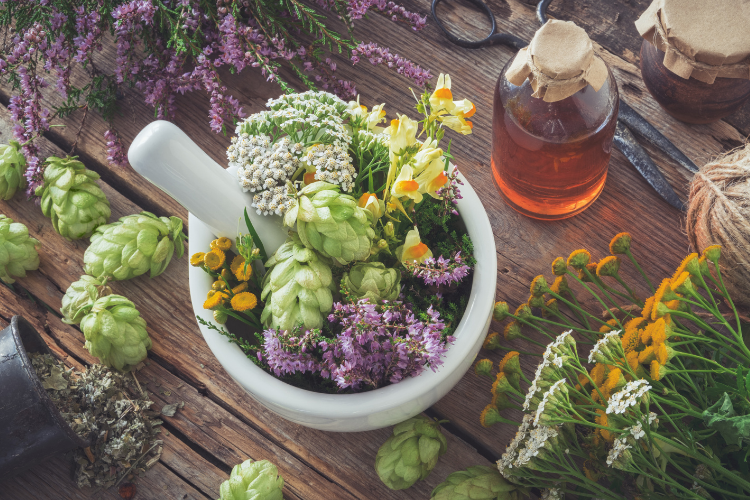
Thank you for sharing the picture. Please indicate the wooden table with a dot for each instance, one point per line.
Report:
(220, 425)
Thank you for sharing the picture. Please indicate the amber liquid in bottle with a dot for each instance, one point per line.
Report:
(549, 160)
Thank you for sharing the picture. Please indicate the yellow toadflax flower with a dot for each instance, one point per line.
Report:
(244, 301)
(441, 99)
(413, 250)
(457, 123)
(214, 259)
(403, 133)
(370, 202)
(222, 243)
(405, 186)
(196, 260)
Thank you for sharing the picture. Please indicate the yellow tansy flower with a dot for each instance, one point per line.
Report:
(214, 259)
(661, 352)
(686, 262)
(240, 288)
(632, 359)
(647, 307)
(214, 299)
(608, 266)
(197, 259)
(222, 243)
(647, 355)
(244, 301)
(597, 373)
(629, 340)
(511, 362)
(656, 370)
(238, 268)
(579, 258)
(615, 380)
(620, 243)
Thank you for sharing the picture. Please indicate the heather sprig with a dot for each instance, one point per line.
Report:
(169, 47)
(379, 344)
(440, 271)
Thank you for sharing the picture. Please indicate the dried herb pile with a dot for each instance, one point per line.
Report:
(105, 408)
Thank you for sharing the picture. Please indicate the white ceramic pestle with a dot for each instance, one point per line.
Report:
(169, 159)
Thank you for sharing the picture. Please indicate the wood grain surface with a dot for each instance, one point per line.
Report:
(220, 425)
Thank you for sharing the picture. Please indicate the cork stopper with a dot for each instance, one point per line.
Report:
(558, 62)
(699, 38)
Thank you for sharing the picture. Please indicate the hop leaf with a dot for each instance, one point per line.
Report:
(478, 482)
(332, 223)
(373, 281)
(71, 198)
(12, 167)
(79, 298)
(134, 245)
(411, 453)
(115, 332)
(296, 287)
(253, 481)
(17, 250)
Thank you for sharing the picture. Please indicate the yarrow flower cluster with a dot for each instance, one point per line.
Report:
(629, 396)
(440, 271)
(601, 351)
(379, 344)
(299, 130)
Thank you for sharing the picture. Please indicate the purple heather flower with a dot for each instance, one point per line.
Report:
(440, 271)
(379, 344)
(380, 55)
(115, 152)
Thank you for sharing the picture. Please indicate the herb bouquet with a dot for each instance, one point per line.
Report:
(650, 400)
(370, 283)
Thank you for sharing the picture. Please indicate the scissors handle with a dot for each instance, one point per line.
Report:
(493, 38)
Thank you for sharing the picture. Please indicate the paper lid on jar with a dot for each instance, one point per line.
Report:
(700, 38)
(559, 61)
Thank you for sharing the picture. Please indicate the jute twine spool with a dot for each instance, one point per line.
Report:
(719, 214)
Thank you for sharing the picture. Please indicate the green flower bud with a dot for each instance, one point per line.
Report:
(483, 368)
(253, 481)
(559, 267)
(71, 198)
(539, 286)
(115, 332)
(80, 296)
(478, 482)
(620, 243)
(296, 287)
(220, 317)
(411, 453)
(17, 250)
(492, 341)
(500, 311)
(373, 281)
(134, 245)
(331, 223)
(12, 167)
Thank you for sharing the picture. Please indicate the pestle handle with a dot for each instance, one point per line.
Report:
(169, 159)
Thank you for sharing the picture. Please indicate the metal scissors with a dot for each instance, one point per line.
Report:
(627, 117)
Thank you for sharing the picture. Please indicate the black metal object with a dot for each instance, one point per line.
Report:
(634, 152)
(31, 428)
(634, 121)
(627, 117)
(494, 38)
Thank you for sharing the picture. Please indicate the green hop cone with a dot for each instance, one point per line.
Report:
(71, 198)
(12, 167)
(17, 250)
(478, 483)
(410, 453)
(296, 287)
(80, 296)
(373, 281)
(115, 332)
(253, 481)
(134, 245)
(332, 223)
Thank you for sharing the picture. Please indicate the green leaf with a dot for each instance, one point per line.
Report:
(741, 386)
(256, 238)
(722, 417)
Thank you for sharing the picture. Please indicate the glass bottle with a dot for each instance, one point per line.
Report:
(690, 100)
(550, 159)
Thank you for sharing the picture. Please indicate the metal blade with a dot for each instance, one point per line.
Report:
(634, 121)
(626, 143)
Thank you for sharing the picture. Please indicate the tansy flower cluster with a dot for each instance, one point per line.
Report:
(231, 293)
(651, 394)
